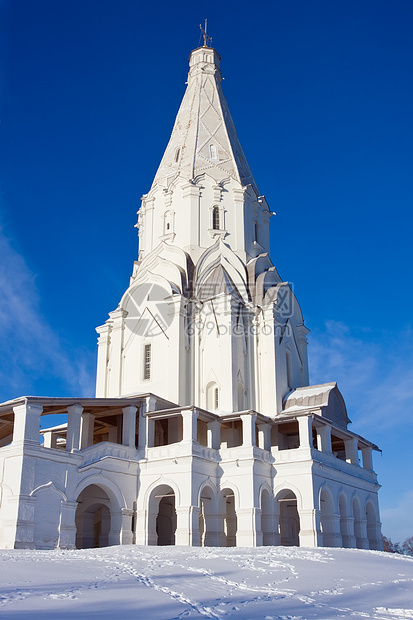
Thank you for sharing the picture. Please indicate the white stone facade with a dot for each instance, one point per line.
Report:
(204, 430)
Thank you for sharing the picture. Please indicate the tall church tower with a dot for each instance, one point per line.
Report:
(204, 430)
(206, 320)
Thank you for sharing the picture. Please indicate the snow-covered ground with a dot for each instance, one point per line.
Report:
(180, 583)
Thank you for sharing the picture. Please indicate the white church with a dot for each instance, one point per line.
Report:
(204, 429)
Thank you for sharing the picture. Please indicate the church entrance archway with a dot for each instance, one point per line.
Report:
(267, 519)
(93, 518)
(162, 516)
(229, 518)
(289, 524)
(207, 518)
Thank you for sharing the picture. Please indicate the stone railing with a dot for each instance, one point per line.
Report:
(106, 449)
(241, 452)
(182, 448)
(307, 454)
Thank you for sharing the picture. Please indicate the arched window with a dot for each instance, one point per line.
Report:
(215, 218)
(168, 222)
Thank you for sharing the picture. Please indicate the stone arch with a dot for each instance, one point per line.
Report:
(346, 522)
(102, 524)
(228, 519)
(284, 485)
(358, 523)
(169, 222)
(329, 520)
(207, 502)
(268, 521)
(93, 518)
(161, 502)
(212, 394)
(289, 519)
(372, 526)
(111, 489)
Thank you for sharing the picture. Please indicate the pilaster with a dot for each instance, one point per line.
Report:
(87, 429)
(103, 357)
(27, 424)
(189, 419)
(352, 450)
(74, 422)
(129, 426)
(264, 436)
(115, 372)
(324, 439)
(310, 532)
(187, 526)
(305, 429)
(248, 428)
(214, 434)
(249, 532)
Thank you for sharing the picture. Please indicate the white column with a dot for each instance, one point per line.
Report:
(324, 439)
(310, 531)
(264, 436)
(88, 421)
(103, 358)
(274, 438)
(305, 429)
(189, 419)
(129, 426)
(27, 424)
(249, 532)
(126, 534)
(116, 337)
(142, 429)
(214, 434)
(367, 454)
(248, 428)
(67, 530)
(352, 450)
(50, 439)
(347, 532)
(74, 422)
(187, 526)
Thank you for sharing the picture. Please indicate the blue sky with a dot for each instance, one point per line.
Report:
(322, 96)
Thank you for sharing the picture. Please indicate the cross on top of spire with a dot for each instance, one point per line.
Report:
(207, 38)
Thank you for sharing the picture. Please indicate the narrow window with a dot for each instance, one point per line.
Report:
(167, 225)
(147, 362)
(216, 398)
(289, 369)
(215, 218)
(212, 151)
(256, 232)
(177, 154)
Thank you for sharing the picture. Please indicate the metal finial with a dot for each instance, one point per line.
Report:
(207, 38)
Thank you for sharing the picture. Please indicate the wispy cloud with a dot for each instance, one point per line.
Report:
(374, 372)
(398, 519)
(29, 348)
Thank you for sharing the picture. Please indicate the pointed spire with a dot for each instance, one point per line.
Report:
(204, 139)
